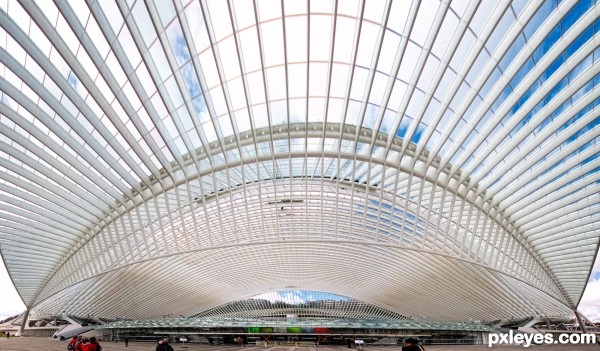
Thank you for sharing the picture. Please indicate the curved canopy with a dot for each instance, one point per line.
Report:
(305, 310)
(175, 156)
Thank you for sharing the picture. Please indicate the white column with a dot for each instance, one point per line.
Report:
(581, 322)
(23, 322)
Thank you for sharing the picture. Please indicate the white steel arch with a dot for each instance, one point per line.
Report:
(405, 154)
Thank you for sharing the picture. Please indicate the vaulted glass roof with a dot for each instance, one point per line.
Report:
(400, 153)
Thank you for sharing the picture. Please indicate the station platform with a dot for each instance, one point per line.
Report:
(32, 343)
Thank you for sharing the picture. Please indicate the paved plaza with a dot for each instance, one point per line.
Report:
(29, 344)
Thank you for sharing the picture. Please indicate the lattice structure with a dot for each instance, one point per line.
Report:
(432, 158)
(295, 305)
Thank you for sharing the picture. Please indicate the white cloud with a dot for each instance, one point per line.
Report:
(10, 302)
(291, 297)
(298, 296)
(590, 303)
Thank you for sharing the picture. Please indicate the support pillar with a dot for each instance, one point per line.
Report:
(581, 322)
(485, 338)
(23, 322)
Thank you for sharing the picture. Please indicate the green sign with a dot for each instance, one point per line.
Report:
(294, 330)
(253, 330)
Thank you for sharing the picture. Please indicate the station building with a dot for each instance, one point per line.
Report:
(356, 169)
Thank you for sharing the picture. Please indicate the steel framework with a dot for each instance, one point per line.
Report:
(433, 158)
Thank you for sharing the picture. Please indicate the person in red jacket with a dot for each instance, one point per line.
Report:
(71, 345)
(84, 345)
(90, 345)
(78, 343)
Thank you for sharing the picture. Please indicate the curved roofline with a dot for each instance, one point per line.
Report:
(291, 242)
(352, 185)
(299, 130)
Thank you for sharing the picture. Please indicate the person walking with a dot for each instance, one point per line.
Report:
(163, 345)
(411, 344)
(126, 339)
(7, 335)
